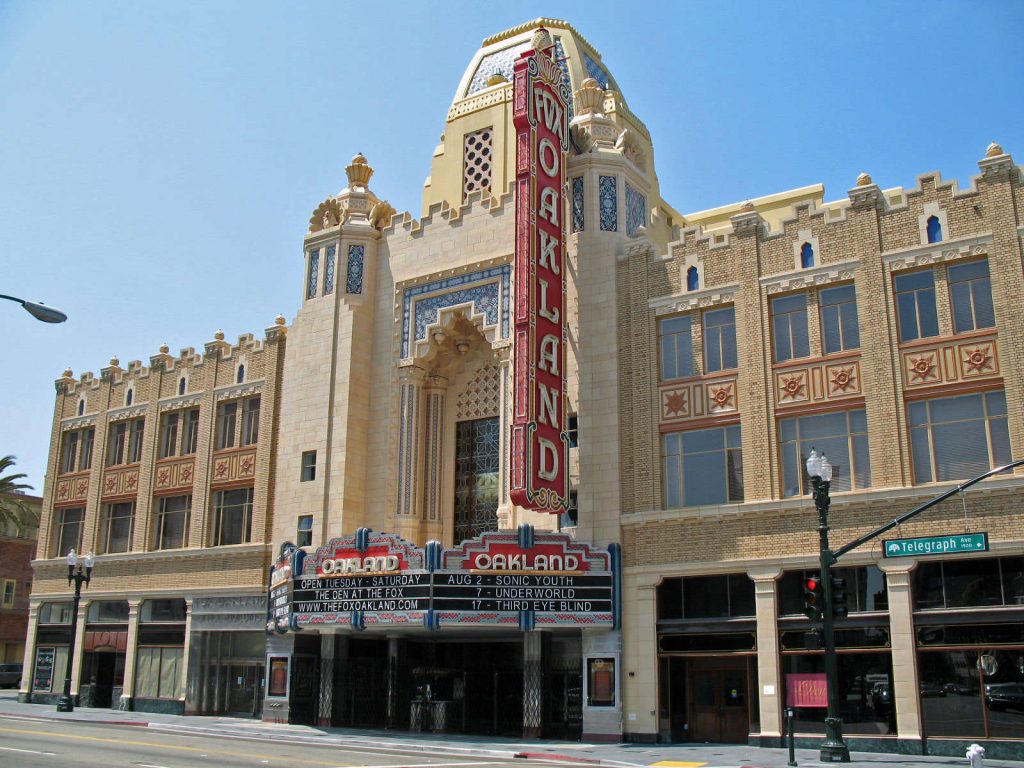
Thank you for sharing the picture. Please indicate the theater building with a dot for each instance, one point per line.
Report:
(537, 455)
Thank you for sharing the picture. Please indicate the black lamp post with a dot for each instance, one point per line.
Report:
(833, 749)
(75, 574)
(38, 310)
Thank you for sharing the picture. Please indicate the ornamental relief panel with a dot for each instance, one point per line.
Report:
(697, 399)
(174, 473)
(72, 488)
(818, 382)
(120, 482)
(949, 362)
(234, 465)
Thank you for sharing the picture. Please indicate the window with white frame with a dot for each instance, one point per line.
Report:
(171, 522)
(840, 329)
(702, 466)
(960, 437)
(10, 589)
(841, 436)
(789, 327)
(304, 532)
(970, 293)
(915, 305)
(308, 471)
(719, 339)
(675, 340)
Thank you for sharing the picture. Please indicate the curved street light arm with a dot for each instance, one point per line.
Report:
(38, 310)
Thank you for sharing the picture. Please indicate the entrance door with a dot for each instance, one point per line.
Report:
(242, 689)
(476, 477)
(719, 699)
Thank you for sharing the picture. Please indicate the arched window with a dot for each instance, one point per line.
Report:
(692, 279)
(934, 230)
(81, 407)
(128, 397)
(181, 386)
(241, 374)
(806, 255)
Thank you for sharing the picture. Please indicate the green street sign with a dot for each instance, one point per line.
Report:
(936, 545)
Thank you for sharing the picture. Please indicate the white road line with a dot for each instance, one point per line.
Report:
(149, 765)
(27, 751)
(439, 764)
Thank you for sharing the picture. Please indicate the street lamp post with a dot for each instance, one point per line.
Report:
(38, 310)
(833, 749)
(75, 574)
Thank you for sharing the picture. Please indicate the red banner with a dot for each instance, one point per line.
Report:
(806, 690)
(539, 450)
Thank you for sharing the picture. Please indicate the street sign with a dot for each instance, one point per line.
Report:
(936, 545)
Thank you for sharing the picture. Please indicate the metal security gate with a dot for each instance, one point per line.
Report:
(563, 700)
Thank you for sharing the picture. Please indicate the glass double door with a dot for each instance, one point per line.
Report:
(477, 457)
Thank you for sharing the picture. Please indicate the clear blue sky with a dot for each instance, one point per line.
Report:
(159, 161)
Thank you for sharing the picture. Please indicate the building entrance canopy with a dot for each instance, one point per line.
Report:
(522, 579)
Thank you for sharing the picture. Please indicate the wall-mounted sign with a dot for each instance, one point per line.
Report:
(936, 545)
(539, 452)
(520, 579)
(806, 690)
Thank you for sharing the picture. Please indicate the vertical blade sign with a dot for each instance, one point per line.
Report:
(539, 474)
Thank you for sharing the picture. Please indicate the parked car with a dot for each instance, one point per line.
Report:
(957, 689)
(932, 689)
(10, 675)
(1004, 696)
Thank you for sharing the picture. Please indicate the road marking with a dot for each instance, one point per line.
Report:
(678, 764)
(158, 745)
(149, 765)
(27, 751)
(439, 764)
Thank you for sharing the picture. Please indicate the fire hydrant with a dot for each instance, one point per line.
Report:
(976, 756)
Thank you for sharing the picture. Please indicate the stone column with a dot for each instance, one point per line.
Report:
(326, 699)
(535, 643)
(128, 690)
(905, 698)
(76, 665)
(434, 396)
(505, 415)
(186, 655)
(194, 672)
(395, 649)
(769, 675)
(409, 447)
(25, 694)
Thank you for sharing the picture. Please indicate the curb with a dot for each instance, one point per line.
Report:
(52, 719)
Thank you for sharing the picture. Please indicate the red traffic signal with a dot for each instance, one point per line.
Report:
(812, 597)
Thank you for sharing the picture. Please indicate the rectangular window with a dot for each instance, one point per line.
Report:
(55, 613)
(970, 290)
(226, 416)
(232, 517)
(118, 524)
(67, 534)
(188, 445)
(69, 452)
(135, 430)
(676, 344)
(158, 673)
(10, 585)
(957, 438)
(250, 421)
(85, 452)
(839, 326)
(789, 327)
(308, 466)
(116, 443)
(572, 430)
(841, 436)
(915, 305)
(703, 466)
(169, 435)
(719, 339)
(170, 526)
(304, 533)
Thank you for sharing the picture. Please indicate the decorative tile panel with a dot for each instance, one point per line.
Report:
(329, 271)
(314, 266)
(577, 204)
(820, 382)
(597, 72)
(120, 482)
(354, 272)
(698, 398)
(480, 397)
(476, 162)
(636, 211)
(487, 291)
(71, 488)
(950, 361)
(562, 60)
(607, 197)
(172, 474)
(498, 63)
(233, 465)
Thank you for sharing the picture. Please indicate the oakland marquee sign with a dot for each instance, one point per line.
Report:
(523, 579)
(539, 473)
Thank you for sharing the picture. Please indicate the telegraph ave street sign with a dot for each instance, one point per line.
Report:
(936, 545)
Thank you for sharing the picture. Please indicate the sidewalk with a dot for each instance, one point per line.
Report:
(611, 755)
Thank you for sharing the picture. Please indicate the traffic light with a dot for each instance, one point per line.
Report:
(839, 607)
(812, 597)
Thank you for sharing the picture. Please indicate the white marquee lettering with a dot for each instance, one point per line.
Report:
(547, 252)
(548, 110)
(551, 314)
(548, 358)
(548, 406)
(549, 158)
(548, 469)
(548, 208)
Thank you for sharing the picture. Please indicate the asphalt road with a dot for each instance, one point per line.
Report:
(31, 743)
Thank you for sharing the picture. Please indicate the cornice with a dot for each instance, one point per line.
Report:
(75, 422)
(932, 253)
(804, 278)
(238, 390)
(128, 412)
(682, 302)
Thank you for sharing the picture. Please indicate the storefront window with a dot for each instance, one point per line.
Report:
(158, 673)
(865, 589)
(865, 692)
(963, 583)
(706, 597)
(108, 611)
(55, 613)
(972, 693)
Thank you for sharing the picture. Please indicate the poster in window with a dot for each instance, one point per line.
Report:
(42, 680)
(601, 688)
(278, 685)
